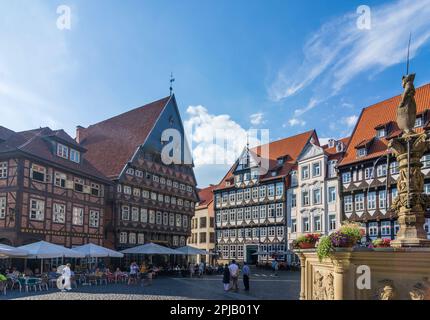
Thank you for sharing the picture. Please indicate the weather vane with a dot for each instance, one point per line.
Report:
(171, 83)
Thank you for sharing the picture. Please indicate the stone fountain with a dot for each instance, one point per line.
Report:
(401, 272)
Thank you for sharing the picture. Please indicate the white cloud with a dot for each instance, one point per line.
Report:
(296, 122)
(256, 118)
(350, 121)
(339, 51)
(324, 141)
(206, 132)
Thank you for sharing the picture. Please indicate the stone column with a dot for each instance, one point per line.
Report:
(302, 276)
(339, 274)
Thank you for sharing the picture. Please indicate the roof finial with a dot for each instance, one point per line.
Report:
(171, 83)
(409, 48)
(247, 140)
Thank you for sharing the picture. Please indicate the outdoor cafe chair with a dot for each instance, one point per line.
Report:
(103, 279)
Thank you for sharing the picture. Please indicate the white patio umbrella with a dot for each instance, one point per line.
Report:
(45, 250)
(151, 249)
(95, 251)
(191, 251)
(8, 251)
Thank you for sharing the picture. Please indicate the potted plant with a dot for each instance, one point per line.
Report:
(345, 237)
(381, 243)
(307, 241)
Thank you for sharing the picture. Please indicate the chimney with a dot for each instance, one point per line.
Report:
(79, 133)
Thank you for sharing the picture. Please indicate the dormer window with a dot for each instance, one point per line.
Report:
(62, 151)
(238, 178)
(274, 172)
(75, 156)
(339, 147)
(380, 133)
(361, 152)
(280, 161)
(419, 122)
(331, 143)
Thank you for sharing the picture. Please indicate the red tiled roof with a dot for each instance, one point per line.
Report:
(36, 143)
(333, 150)
(206, 196)
(382, 112)
(112, 143)
(291, 147)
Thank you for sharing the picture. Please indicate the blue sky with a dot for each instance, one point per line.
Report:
(286, 66)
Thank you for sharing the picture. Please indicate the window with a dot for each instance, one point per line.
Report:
(293, 225)
(316, 169)
(382, 199)
(262, 191)
(346, 177)
(155, 178)
(380, 133)
(368, 173)
(272, 231)
(60, 179)
(271, 211)
(331, 194)
(371, 201)
(248, 213)
(317, 196)
(132, 238)
(138, 173)
(59, 214)
(37, 210)
(427, 188)
(153, 196)
(279, 210)
(279, 190)
(3, 170)
(361, 152)
(418, 122)
(79, 185)
(394, 167)
(151, 216)
(332, 168)
(125, 213)
(75, 156)
(317, 223)
(165, 219)
(78, 216)
(293, 200)
(254, 174)
(178, 220)
(38, 173)
(130, 171)
(294, 180)
(385, 228)
(202, 237)
(123, 237)
(305, 198)
(373, 229)
(255, 213)
(140, 238)
(381, 170)
(203, 222)
(394, 193)
(262, 212)
(238, 178)
(232, 197)
(426, 161)
(185, 222)
(305, 172)
(172, 220)
(247, 194)
(348, 203)
(271, 190)
(359, 202)
(134, 214)
(332, 222)
(2, 207)
(94, 218)
(136, 192)
(62, 151)
(305, 224)
(95, 189)
(145, 194)
(159, 218)
(396, 227)
(240, 215)
(144, 215)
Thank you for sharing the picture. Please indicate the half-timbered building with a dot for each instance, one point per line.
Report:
(250, 208)
(369, 170)
(48, 190)
(152, 200)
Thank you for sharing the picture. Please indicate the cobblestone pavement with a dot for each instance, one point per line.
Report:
(264, 286)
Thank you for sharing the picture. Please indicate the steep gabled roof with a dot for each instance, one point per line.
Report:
(111, 143)
(206, 196)
(290, 148)
(381, 113)
(37, 143)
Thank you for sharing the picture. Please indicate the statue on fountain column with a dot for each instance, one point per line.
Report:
(407, 109)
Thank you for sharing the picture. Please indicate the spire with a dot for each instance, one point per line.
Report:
(171, 83)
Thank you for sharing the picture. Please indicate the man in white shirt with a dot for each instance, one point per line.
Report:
(234, 275)
(67, 274)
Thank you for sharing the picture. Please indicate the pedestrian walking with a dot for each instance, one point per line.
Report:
(201, 269)
(246, 275)
(276, 267)
(226, 278)
(134, 270)
(191, 269)
(234, 275)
